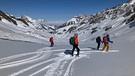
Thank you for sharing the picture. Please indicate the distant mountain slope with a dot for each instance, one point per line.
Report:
(108, 20)
(114, 21)
(23, 26)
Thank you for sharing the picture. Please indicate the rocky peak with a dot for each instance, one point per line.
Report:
(131, 1)
(125, 10)
(8, 18)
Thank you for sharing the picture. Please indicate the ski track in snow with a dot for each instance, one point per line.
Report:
(59, 65)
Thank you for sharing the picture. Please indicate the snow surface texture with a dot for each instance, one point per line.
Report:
(31, 59)
(47, 61)
(132, 2)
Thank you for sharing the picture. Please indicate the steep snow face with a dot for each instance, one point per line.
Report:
(24, 28)
(107, 21)
(27, 18)
(76, 19)
(132, 2)
(88, 27)
(72, 20)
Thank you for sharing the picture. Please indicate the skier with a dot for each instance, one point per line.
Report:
(75, 45)
(98, 41)
(51, 41)
(106, 40)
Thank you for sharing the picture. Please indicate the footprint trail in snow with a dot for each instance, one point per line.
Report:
(44, 61)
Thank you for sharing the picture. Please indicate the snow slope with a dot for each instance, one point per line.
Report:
(45, 61)
(32, 59)
(110, 64)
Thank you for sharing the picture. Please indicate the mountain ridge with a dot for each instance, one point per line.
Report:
(125, 10)
(106, 21)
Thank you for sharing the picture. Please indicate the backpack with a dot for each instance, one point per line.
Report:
(51, 39)
(97, 39)
(104, 39)
(71, 41)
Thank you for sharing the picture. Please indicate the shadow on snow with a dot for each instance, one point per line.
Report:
(68, 52)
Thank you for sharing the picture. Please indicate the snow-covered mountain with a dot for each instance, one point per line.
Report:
(112, 20)
(109, 20)
(23, 28)
(32, 59)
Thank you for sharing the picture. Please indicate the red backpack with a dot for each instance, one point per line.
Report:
(104, 39)
(51, 39)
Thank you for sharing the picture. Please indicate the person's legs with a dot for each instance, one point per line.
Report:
(51, 44)
(108, 47)
(98, 45)
(78, 50)
(73, 50)
(103, 47)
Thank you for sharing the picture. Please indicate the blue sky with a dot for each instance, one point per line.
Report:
(55, 10)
